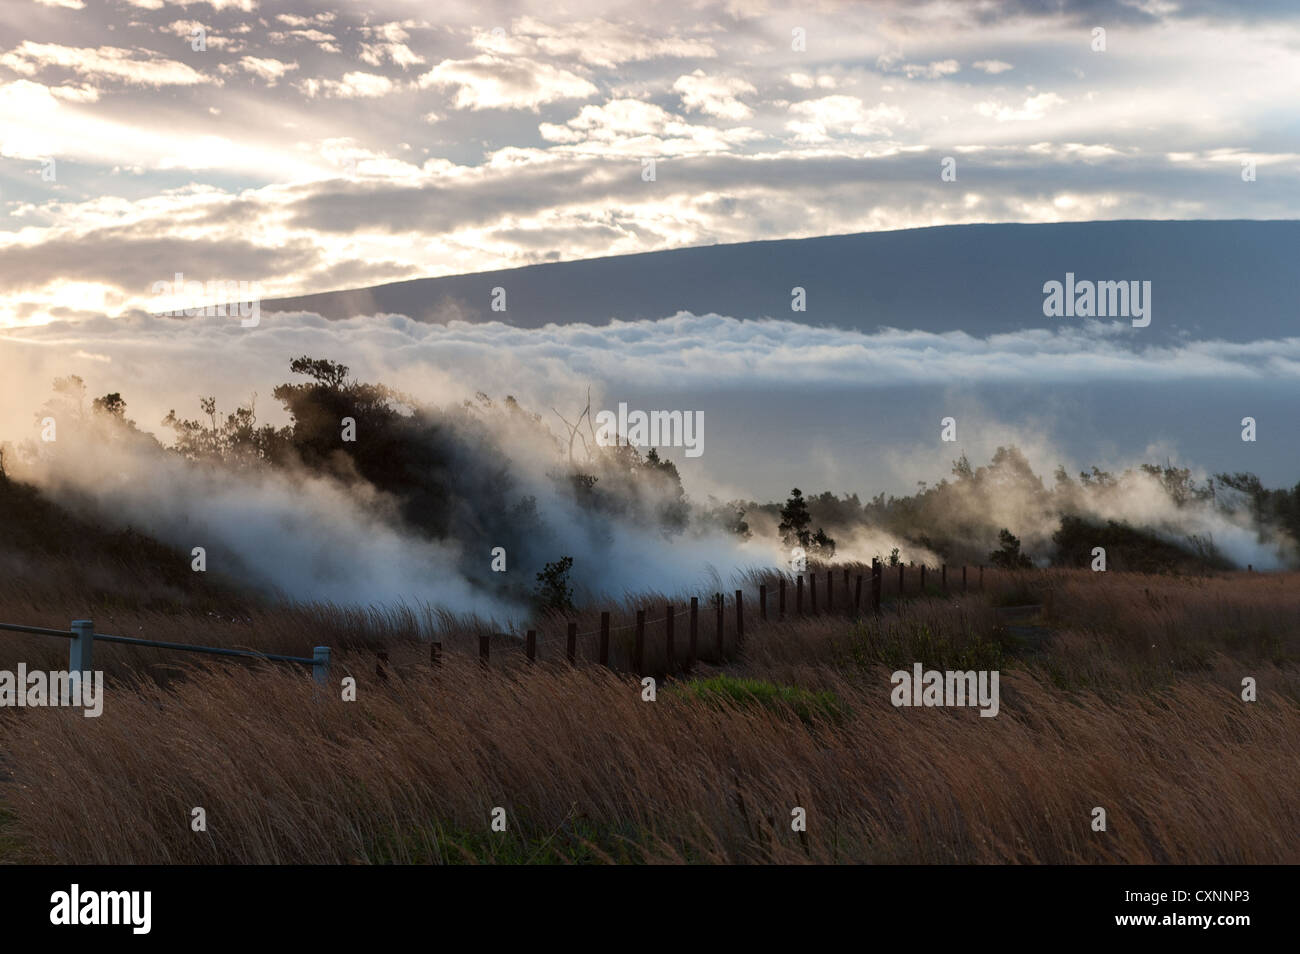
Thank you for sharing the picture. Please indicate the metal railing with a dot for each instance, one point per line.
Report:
(83, 637)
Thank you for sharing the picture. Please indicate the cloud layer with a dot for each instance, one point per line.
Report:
(312, 150)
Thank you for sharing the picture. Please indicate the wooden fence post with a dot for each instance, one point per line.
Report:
(483, 651)
(740, 618)
(981, 576)
(638, 647)
(830, 591)
(900, 579)
(812, 593)
(798, 596)
(922, 579)
(762, 602)
(669, 652)
(963, 577)
(571, 643)
(693, 645)
(780, 597)
(720, 626)
(877, 574)
(943, 577)
(604, 638)
(857, 594)
(530, 645)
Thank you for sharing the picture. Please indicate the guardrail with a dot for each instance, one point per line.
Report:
(83, 636)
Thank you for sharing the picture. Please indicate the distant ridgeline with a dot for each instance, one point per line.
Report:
(1234, 280)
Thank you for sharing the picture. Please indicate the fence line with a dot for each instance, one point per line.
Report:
(831, 607)
(83, 636)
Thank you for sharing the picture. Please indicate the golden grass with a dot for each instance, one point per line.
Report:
(1125, 694)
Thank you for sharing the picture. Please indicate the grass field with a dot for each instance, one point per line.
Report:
(1117, 691)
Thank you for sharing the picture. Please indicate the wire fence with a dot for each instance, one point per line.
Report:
(83, 638)
(82, 635)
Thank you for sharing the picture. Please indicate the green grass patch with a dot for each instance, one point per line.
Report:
(899, 645)
(809, 705)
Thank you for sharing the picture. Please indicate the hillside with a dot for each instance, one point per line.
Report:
(1211, 279)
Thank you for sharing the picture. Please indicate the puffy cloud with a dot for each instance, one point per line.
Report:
(635, 128)
(715, 95)
(269, 69)
(820, 118)
(354, 85)
(488, 81)
(388, 42)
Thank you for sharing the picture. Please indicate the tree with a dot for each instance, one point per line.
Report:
(1009, 556)
(111, 404)
(326, 373)
(553, 591)
(795, 520)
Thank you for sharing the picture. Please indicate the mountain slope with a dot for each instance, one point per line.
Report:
(1235, 280)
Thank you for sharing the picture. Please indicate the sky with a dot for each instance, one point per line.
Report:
(294, 147)
(297, 146)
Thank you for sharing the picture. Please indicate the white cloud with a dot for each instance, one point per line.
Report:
(489, 81)
(937, 69)
(633, 127)
(326, 42)
(105, 62)
(598, 42)
(247, 6)
(715, 95)
(1035, 107)
(268, 69)
(992, 66)
(354, 85)
(819, 118)
(389, 43)
(934, 70)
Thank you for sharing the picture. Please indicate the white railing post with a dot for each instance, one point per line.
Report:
(320, 668)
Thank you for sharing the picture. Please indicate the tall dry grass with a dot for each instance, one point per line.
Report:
(1118, 691)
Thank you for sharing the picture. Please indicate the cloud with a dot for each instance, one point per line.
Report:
(354, 85)
(1035, 107)
(389, 43)
(602, 43)
(524, 145)
(635, 128)
(271, 70)
(715, 95)
(102, 63)
(247, 6)
(820, 118)
(488, 81)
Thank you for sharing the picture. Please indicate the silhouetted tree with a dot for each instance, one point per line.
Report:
(553, 591)
(1009, 556)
